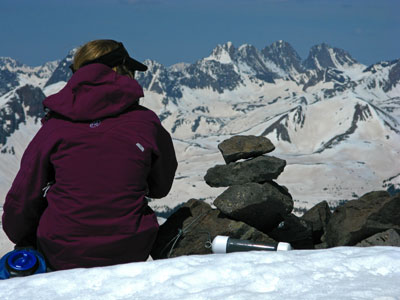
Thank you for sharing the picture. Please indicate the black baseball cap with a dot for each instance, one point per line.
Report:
(116, 57)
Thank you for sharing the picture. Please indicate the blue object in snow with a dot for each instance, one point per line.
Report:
(21, 262)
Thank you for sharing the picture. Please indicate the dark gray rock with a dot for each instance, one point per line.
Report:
(200, 223)
(387, 238)
(32, 98)
(318, 216)
(359, 219)
(293, 230)
(243, 147)
(262, 206)
(259, 169)
(321, 57)
(62, 72)
(8, 80)
(284, 56)
(27, 101)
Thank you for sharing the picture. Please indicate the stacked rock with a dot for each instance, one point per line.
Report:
(252, 207)
(252, 195)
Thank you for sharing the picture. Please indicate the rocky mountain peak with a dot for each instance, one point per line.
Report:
(284, 56)
(323, 56)
(374, 75)
(262, 68)
(179, 67)
(12, 65)
(282, 47)
(63, 72)
(9, 63)
(152, 66)
(224, 53)
(14, 74)
(246, 49)
(394, 75)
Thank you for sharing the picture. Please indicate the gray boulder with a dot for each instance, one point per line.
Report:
(262, 206)
(259, 169)
(244, 146)
(294, 230)
(318, 216)
(387, 238)
(199, 224)
(359, 219)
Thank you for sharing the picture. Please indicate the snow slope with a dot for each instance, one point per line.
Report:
(337, 273)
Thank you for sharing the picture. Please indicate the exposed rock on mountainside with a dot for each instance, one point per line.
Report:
(24, 102)
(284, 56)
(8, 81)
(62, 72)
(394, 76)
(14, 74)
(323, 56)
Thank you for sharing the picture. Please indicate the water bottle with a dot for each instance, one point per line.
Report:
(225, 244)
(22, 262)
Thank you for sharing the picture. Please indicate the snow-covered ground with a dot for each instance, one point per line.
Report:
(337, 273)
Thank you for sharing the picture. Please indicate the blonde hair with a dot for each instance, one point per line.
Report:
(95, 49)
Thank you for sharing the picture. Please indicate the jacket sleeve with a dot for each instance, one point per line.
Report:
(24, 202)
(163, 166)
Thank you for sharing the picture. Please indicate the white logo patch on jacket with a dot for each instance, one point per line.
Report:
(140, 147)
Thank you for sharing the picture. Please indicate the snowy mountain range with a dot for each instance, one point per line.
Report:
(334, 120)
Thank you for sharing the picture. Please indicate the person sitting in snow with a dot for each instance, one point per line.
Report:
(80, 194)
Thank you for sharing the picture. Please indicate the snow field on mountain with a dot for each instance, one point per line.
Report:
(395, 92)
(352, 168)
(310, 184)
(337, 273)
(17, 143)
(9, 165)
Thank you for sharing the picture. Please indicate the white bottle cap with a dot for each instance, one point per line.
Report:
(219, 244)
(284, 247)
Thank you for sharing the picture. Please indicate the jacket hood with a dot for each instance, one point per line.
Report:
(94, 92)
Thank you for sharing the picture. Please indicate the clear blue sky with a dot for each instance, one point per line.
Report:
(172, 31)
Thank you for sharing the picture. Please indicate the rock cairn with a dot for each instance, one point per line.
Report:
(255, 207)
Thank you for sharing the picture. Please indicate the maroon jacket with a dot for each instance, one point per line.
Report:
(103, 153)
